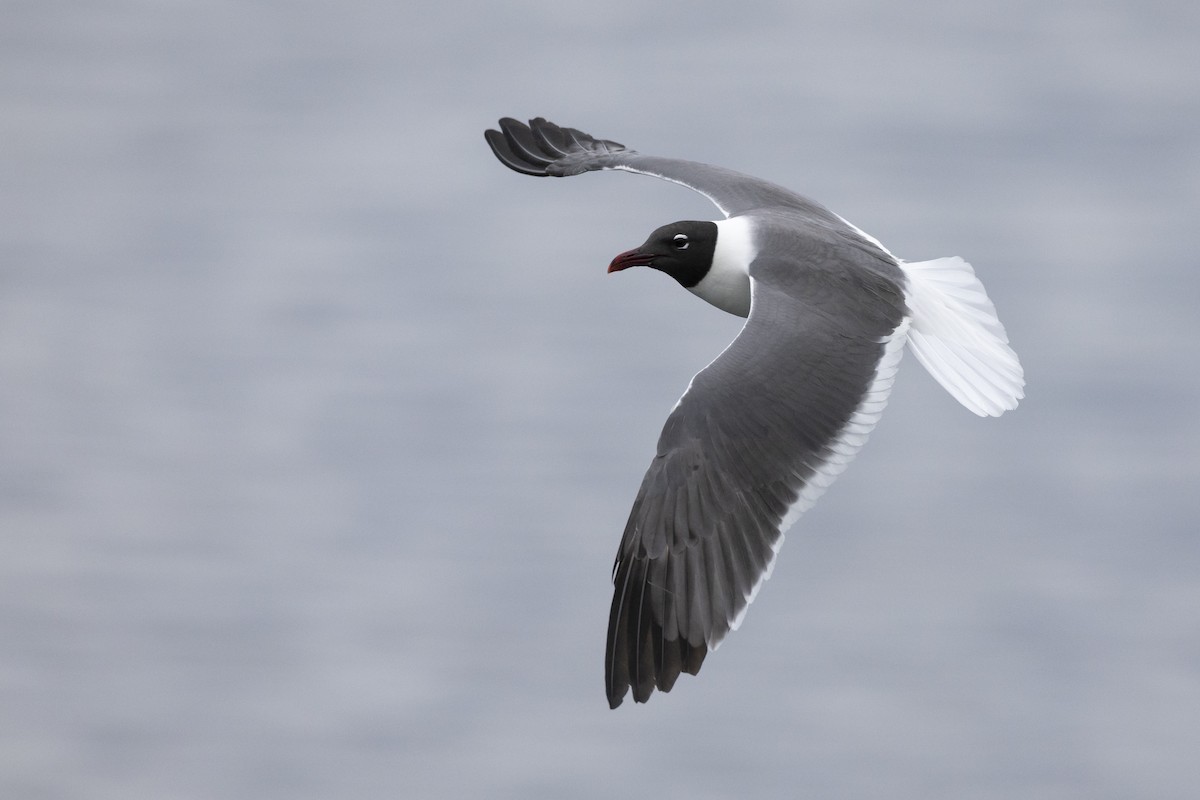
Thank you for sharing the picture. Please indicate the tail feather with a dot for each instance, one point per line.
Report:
(957, 336)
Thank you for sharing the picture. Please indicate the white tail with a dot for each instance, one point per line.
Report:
(957, 336)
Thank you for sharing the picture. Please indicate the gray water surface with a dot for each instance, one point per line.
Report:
(318, 427)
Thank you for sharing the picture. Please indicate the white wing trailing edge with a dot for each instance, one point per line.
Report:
(956, 335)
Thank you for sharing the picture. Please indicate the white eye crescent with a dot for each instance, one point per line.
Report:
(680, 241)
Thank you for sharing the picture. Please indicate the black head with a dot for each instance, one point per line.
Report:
(683, 250)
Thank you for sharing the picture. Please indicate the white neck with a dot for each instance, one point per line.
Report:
(727, 284)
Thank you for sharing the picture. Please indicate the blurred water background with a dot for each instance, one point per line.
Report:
(318, 427)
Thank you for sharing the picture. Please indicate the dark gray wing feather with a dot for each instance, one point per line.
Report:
(734, 456)
(544, 149)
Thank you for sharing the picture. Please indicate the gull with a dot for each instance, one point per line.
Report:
(763, 430)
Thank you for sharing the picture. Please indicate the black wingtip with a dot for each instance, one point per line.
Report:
(534, 147)
(504, 151)
(638, 655)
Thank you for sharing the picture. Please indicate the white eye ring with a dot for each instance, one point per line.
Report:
(681, 241)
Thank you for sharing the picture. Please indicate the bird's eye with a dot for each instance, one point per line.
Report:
(680, 241)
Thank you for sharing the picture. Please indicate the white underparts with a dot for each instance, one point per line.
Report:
(727, 282)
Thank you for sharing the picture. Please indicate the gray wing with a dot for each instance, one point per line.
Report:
(759, 433)
(542, 148)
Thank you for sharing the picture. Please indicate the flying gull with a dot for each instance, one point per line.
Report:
(762, 430)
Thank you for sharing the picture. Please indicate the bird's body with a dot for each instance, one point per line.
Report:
(766, 427)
